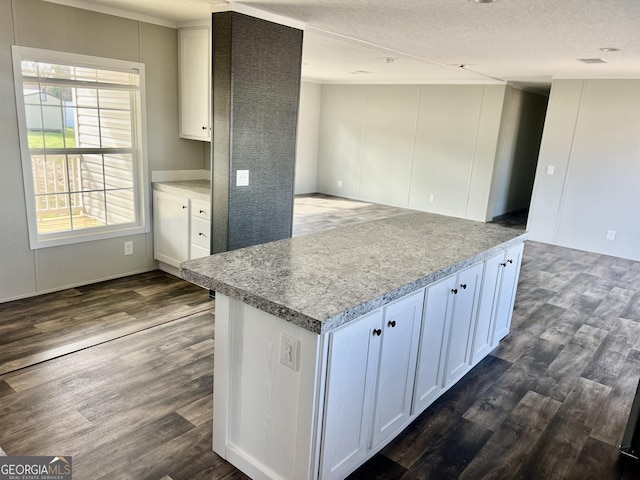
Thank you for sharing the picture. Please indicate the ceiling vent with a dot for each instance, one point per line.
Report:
(592, 60)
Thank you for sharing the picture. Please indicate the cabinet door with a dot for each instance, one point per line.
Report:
(437, 309)
(170, 228)
(351, 378)
(463, 317)
(507, 292)
(195, 105)
(483, 335)
(396, 375)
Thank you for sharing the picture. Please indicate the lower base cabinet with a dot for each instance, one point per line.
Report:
(182, 228)
(390, 365)
(170, 228)
(369, 384)
(498, 296)
(447, 329)
(357, 386)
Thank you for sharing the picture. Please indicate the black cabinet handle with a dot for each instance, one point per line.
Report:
(454, 291)
(377, 332)
(201, 211)
(505, 263)
(392, 323)
(204, 128)
(510, 261)
(184, 206)
(463, 286)
(201, 234)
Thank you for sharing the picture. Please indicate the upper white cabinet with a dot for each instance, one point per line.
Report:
(195, 83)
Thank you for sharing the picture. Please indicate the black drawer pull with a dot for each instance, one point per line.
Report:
(454, 291)
(377, 332)
(392, 323)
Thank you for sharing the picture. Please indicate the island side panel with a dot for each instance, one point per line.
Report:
(265, 413)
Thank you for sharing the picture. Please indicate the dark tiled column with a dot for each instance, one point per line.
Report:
(256, 87)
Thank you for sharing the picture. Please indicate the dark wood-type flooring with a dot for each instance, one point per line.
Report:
(40, 328)
(550, 403)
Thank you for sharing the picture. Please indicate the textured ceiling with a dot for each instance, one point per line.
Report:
(525, 42)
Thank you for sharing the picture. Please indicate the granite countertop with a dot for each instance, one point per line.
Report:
(324, 280)
(199, 189)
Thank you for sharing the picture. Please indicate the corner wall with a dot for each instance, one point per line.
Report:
(307, 143)
(591, 140)
(39, 24)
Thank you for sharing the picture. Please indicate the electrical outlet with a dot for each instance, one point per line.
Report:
(128, 248)
(611, 235)
(432, 198)
(339, 183)
(550, 169)
(289, 347)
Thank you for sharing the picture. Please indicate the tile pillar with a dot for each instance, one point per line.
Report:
(256, 87)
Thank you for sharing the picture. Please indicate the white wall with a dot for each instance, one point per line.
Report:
(40, 24)
(592, 139)
(307, 141)
(436, 148)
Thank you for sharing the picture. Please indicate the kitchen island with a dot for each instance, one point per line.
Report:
(328, 345)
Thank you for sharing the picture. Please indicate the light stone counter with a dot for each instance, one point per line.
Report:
(198, 189)
(324, 280)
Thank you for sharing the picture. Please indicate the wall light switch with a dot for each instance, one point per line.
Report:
(550, 169)
(611, 234)
(242, 178)
(432, 198)
(339, 183)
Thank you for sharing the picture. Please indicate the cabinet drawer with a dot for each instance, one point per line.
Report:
(200, 232)
(201, 210)
(198, 252)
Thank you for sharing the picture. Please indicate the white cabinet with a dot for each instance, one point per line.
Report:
(351, 378)
(358, 385)
(170, 228)
(496, 301)
(195, 83)
(507, 292)
(462, 323)
(448, 324)
(200, 231)
(396, 375)
(369, 386)
(181, 228)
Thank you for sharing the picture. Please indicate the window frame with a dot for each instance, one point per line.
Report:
(140, 181)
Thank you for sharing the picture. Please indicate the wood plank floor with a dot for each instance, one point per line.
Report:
(40, 328)
(550, 403)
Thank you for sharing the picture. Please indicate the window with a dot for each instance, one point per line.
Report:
(81, 127)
